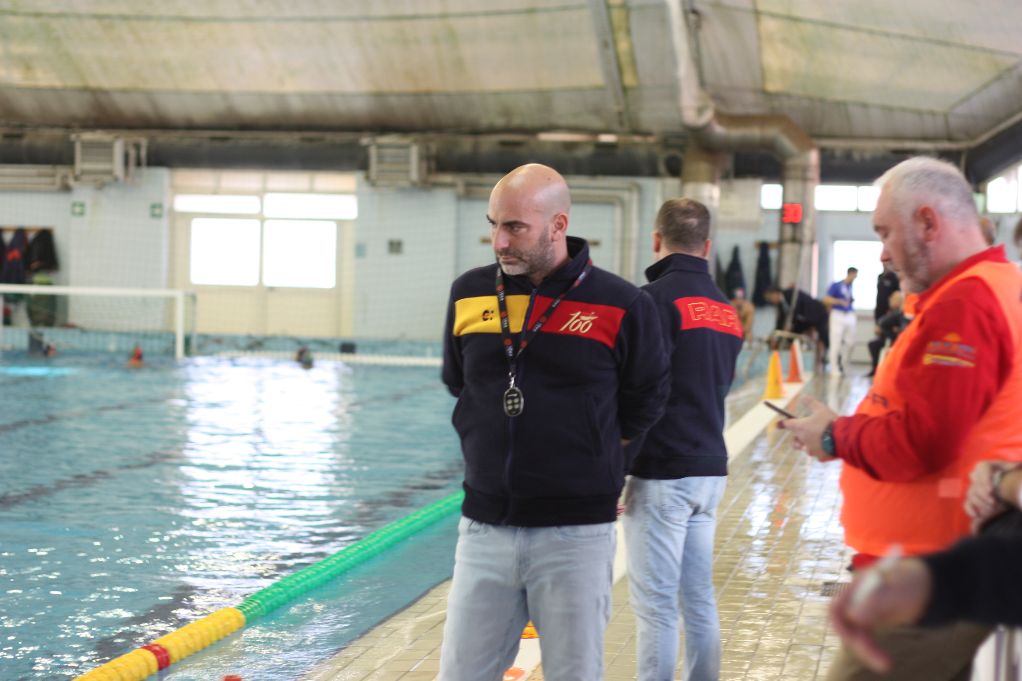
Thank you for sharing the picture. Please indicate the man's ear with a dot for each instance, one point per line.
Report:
(559, 227)
(657, 239)
(931, 222)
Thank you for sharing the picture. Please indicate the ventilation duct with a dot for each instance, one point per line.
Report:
(398, 162)
(101, 158)
(41, 178)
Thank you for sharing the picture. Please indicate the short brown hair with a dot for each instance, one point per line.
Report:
(683, 224)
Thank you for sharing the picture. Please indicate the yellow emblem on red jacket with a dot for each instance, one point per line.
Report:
(950, 351)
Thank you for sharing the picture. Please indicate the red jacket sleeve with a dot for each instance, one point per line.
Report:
(943, 400)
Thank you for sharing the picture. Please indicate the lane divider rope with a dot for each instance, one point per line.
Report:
(191, 638)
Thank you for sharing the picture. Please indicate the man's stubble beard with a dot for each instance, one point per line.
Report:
(539, 259)
(916, 270)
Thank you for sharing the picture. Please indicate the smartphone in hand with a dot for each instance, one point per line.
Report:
(783, 412)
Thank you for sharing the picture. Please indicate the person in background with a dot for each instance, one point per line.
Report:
(746, 312)
(677, 479)
(136, 360)
(976, 580)
(37, 343)
(996, 487)
(842, 321)
(304, 357)
(945, 397)
(809, 317)
(887, 330)
(556, 365)
(887, 283)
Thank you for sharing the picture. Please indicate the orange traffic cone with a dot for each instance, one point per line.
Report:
(795, 364)
(774, 388)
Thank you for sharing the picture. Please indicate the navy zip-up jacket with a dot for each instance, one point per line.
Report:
(592, 375)
(703, 336)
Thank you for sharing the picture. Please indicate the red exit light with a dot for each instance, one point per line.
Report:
(791, 213)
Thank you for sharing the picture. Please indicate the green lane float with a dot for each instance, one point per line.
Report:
(191, 638)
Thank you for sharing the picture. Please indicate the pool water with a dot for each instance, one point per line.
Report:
(133, 502)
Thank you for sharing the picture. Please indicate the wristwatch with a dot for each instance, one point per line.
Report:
(827, 440)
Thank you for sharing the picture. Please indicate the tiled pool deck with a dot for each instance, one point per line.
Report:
(779, 551)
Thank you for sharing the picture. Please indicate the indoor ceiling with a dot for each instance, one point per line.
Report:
(861, 77)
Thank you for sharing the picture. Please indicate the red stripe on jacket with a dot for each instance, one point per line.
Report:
(707, 313)
(576, 318)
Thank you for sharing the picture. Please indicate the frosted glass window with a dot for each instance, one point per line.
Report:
(1002, 195)
(235, 204)
(300, 253)
(836, 197)
(868, 196)
(311, 206)
(771, 196)
(225, 252)
(865, 256)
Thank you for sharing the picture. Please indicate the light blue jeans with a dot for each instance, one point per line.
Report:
(669, 527)
(559, 577)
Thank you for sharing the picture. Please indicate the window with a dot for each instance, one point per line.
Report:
(300, 253)
(865, 256)
(836, 197)
(236, 204)
(868, 196)
(313, 206)
(1002, 194)
(225, 252)
(771, 196)
(826, 197)
(294, 246)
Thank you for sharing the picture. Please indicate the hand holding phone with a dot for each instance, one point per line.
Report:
(783, 412)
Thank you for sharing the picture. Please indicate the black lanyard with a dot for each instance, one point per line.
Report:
(527, 335)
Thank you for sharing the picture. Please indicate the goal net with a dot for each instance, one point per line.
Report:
(69, 319)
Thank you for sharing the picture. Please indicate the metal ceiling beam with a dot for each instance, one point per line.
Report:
(606, 47)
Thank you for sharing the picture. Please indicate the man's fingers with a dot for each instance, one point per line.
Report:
(857, 638)
(860, 642)
(810, 403)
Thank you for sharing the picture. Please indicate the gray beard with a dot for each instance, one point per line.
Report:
(537, 263)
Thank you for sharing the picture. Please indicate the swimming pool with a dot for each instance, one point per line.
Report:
(134, 502)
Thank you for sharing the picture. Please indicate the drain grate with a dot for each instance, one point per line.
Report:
(831, 589)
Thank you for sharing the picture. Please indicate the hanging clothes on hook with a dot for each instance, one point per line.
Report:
(42, 254)
(13, 271)
(735, 278)
(763, 277)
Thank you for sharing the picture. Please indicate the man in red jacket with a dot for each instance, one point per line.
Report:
(945, 398)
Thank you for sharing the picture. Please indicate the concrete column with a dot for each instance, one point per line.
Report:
(794, 266)
(700, 180)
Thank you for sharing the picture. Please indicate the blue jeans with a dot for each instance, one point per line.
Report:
(559, 577)
(669, 526)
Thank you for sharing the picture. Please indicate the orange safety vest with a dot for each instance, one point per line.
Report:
(927, 514)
